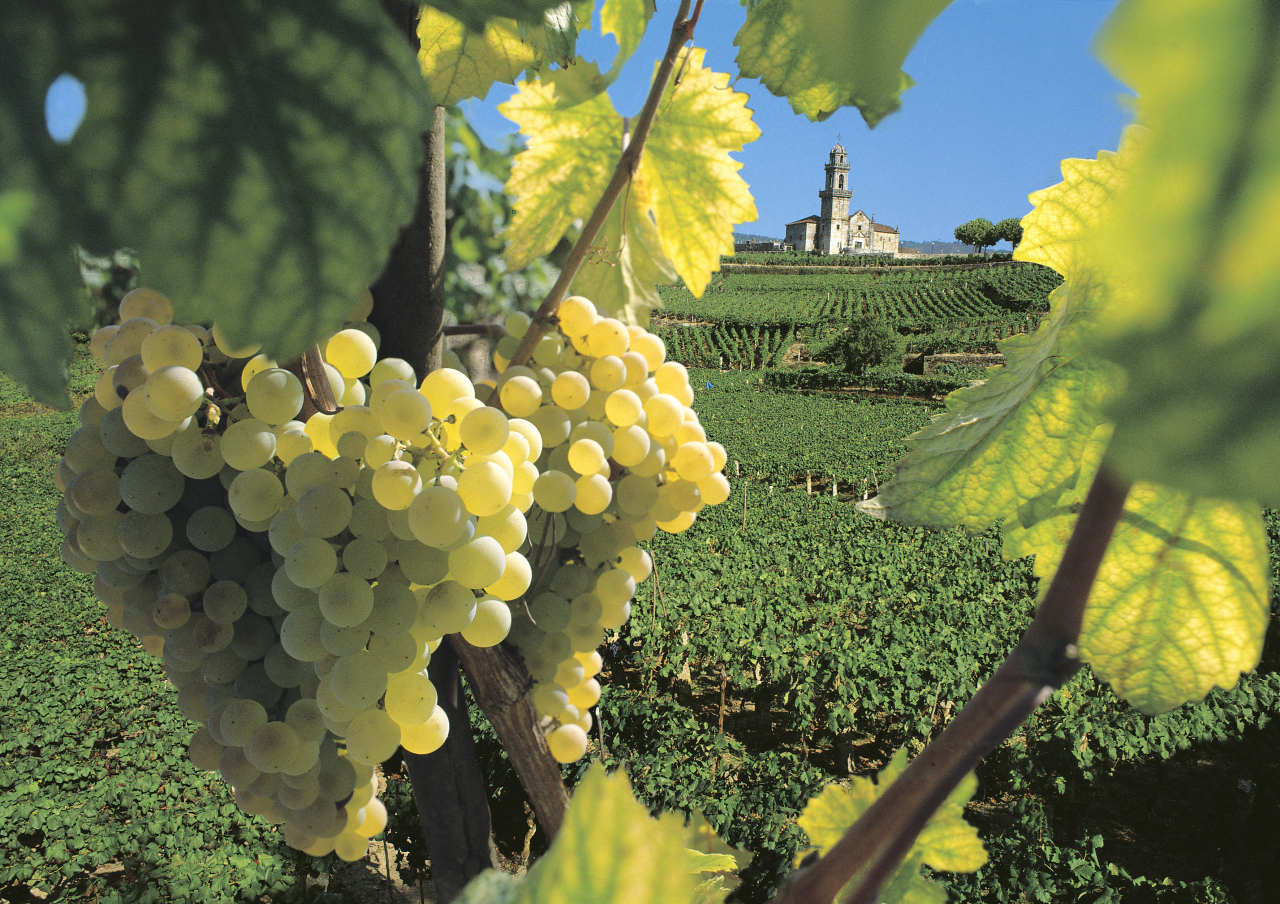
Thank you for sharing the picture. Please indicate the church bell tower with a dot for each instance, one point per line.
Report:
(834, 219)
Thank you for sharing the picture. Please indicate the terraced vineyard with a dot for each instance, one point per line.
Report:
(750, 320)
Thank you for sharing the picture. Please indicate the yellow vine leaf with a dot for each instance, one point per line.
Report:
(1192, 245)
(714, 864)
(826, 54)
(947, 842)
(574, 142)
(459, 62)
(610, 851)
(627, 262)
(696, 195)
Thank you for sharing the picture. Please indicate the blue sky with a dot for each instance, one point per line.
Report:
(1006, 89)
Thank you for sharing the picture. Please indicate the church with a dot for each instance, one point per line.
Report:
(835, 230)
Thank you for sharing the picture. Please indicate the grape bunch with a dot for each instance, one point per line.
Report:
(295, 575)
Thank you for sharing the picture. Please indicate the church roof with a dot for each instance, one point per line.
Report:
(880, 227)
(838, 149)
(812, 218)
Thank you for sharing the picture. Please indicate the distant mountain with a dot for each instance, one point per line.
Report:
(752, 237)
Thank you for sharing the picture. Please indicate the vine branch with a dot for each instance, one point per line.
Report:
(681, 32)
(1044, 659)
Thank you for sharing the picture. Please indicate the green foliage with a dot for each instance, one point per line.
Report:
(475, 13)
(1010, 230)
(866, 341)
(262, 180)
(979, 233)
(1189, 275)
(826, 55)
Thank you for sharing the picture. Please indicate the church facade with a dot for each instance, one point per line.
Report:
(835, 230)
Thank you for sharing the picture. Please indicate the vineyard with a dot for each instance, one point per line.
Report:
(751, 321)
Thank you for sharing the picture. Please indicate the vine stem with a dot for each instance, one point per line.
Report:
(1044, 659)
(681, 32)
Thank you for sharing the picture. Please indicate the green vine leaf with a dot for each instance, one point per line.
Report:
(1195, 321)
(946, 843)
(490, 887)
(697, 195)
(459, 62)
(610, 851)
(260, 159)
(826, 54)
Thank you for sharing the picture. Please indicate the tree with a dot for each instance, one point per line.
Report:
(979, 233)
(1010, 230)
(1150, 446)
(867, 341)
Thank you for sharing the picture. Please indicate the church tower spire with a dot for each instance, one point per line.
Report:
(834, 220)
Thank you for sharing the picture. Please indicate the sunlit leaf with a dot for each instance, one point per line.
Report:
(474, 13)
(574, 142)
(610, 851)
(459, 63)
(626, 20)
(697, 196)
(1192, 247)
(826, 54)
(947, 841)
(627, 262)
(1180, 604)
(490, 887)
(706, 853)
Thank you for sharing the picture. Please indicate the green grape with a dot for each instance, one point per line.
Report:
(288, 595)
(477, 563)
(637, 494)
(569, 672)
(576, 315)
(346, 599)
(552, 424)
(144, 536)
(144, 423)
(595, 431)
(185, 571)
(274, 395)
(170, 345)
(608, 337)
(607, 373)
(693, 461)
(392, 369)
(98, 342)
(254, 635)
(197, 453)
(714, 489)
(665, 414)
(380, 450)
(351, 444)
(98, 537)
(291, 443)
(554, 491)
(300, 634)
(255, 684)
(584, 638)
(324, 510)
(508, 526)
(225, 602)
(310, 562)
(306, 720)
(306, 471)
(623, 407)
(127, 340)
(520, 396)
(651, 347)
(352, 352)
(204, 752)
(396, 484)
(343, 641)
(636, 562)
(222, 667)
(396, 652)
(357, 419)
(484, 430)
(490, 625)
(428, 737)
(95, 491)
(272, 747)
(116, 437)
(369, 520)
(210, 528)
(104, 390)
(364, 558)
(256, 495)
(411, 698)
(173, 392)
(358, 679)
(549, 351)
(450, 606)
(531, 434)
(283, 670)
(241, 720)
(145, 302)
(437, 516)
(85, 450)
(485, 488)
(171, 611)
(637, 371)
(394, 609)
(405, 413)
(248, 444)
(586, 456)
(515, 579)
(372, 737)
(593, 494)
(568, 743)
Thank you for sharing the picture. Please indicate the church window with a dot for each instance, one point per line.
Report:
(842, 182)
